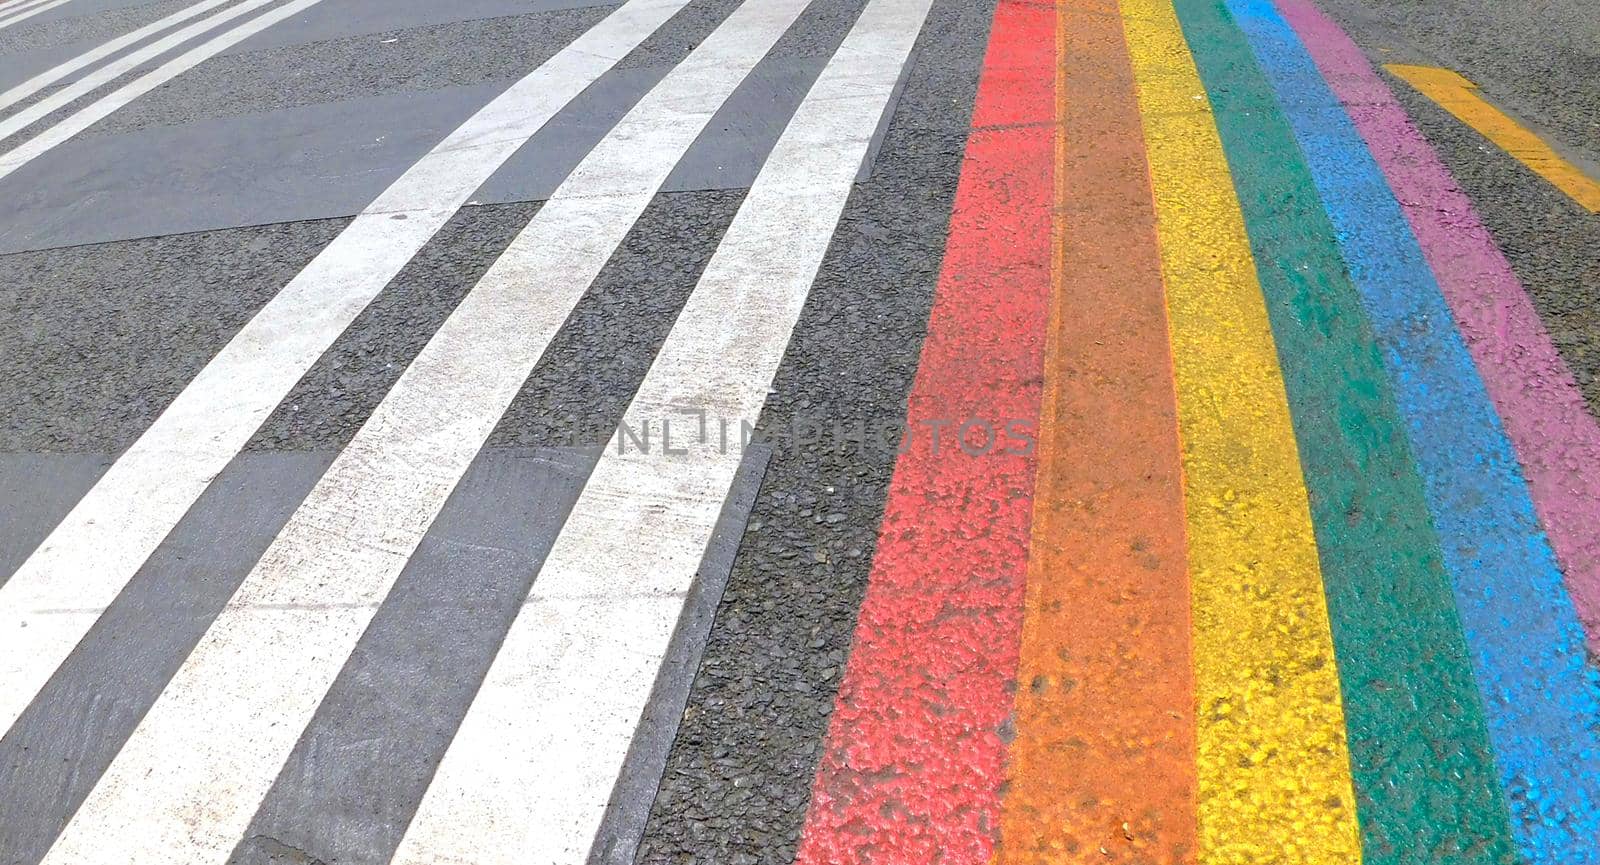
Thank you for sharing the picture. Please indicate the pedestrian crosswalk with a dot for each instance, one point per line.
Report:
(18, 12)
(86, 84)
(97, 548)
(555, 717)
(531, 770)
(88, 115)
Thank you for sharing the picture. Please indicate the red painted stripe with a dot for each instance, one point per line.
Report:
(915, 756)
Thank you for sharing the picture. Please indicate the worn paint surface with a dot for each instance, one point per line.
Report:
(1273, 765)
(914, 762)
(1417, 731)
(1556, 438)
(1102, 767)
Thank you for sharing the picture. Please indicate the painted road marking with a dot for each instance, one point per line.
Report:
(534, 762)
(1274, 770)
(388, 718)
(74, 728)
(103, 107)
(1103, 759)
(1460, 97)
(1403, 660)
(23, 12)
(50, 76)
(1539, 691)
(914, 757)
(215, 740)
(1544, 414)
(7, 10)
(88, 559)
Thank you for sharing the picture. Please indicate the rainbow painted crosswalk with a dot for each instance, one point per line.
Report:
(1304, 568)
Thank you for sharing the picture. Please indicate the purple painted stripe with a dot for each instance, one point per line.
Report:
(1556, 439)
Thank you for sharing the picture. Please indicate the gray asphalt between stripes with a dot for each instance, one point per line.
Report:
(47, 486)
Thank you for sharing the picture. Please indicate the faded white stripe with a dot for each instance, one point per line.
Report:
(100, 52)
(188, 780)
(533, 764)
(88, 559)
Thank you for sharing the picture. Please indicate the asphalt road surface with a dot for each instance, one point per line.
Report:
(844, 432)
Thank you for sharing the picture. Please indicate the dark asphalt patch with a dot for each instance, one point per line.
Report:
(318, 130)
(1540, 64)
(310, 162)
(99, 339)
(1550, 241)
(739, 775)
(340, 19)
(332, 159)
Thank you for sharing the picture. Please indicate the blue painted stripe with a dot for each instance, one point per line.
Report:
(1541, 697)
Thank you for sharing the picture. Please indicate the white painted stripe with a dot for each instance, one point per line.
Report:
(185, 785)
(9, 9)
(100, 52)
(533, 764)
(103, 107)
(93, 553)
(25, 11)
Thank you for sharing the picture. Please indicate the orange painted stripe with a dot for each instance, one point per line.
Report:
(1102, 769)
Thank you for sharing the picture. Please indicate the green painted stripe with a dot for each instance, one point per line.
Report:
(1424, 774)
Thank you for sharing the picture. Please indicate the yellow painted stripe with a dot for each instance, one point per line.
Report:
(1460, 97)
(1273, 779)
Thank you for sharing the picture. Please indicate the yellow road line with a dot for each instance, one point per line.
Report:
(1460, 97)
(1274, 770)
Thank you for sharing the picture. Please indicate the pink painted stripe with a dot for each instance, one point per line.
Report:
(1557, 440)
